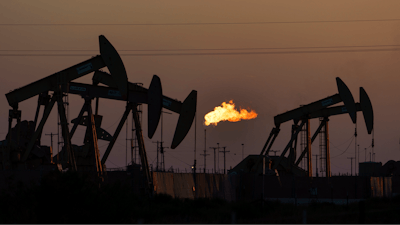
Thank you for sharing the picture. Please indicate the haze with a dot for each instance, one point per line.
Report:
(268, 83)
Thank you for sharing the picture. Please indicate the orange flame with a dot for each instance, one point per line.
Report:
(228, 112)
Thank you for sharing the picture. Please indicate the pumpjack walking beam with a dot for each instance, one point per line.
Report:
(50, 82)
(305, 111)
(153, 95)
(109, 57)
(186, 109)
(365, 106)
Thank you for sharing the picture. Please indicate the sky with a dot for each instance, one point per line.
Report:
(268, 67)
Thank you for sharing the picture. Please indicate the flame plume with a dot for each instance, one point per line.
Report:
(227, 112)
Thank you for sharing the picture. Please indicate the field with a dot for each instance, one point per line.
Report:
(73, 198)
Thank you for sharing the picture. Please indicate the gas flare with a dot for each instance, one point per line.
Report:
(227, 112)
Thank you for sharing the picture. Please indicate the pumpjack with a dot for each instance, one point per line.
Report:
(303, 115)
(17, 154)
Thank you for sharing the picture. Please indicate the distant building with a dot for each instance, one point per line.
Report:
(368, 169)
(389, 169)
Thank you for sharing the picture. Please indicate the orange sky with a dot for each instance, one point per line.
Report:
(268, 83)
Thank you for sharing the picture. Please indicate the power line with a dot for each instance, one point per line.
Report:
(199, 49)
(177, 158)
(338, 166)
(337, 146)
(113, 164)
(344, 150)
(214, 53)
(196, 24)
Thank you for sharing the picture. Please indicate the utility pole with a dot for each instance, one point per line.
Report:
(195, 137)
(355, 150)
(351, 160)
(224, 151)
(214, 159)
(365, 154)
(358, 158)
(372, 147)
(274, 151)
(218, 157)
(134, 140)
(242, 151)
(195, 145)
(316, 163)
(161, 147)
(157, 154)
(162, 155)
(126, 144)
(51, 139)
(133, 145)
(205, 151)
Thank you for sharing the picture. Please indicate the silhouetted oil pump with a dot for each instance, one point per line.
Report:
(87, 156)
(303, 115)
